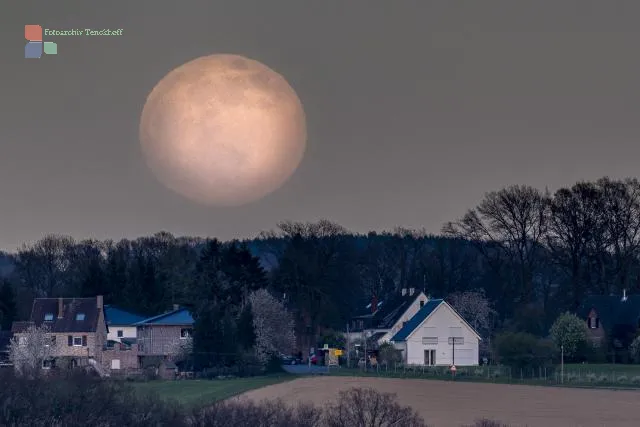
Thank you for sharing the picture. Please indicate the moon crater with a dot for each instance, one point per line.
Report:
(223, 130)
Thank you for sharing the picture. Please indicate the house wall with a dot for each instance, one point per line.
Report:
(127, 332)
(443, 323)
(159, 340)
(128, 358)
(411, 311)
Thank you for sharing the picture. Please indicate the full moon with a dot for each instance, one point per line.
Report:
(223, 130)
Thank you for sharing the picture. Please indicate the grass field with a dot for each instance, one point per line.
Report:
(193, 393)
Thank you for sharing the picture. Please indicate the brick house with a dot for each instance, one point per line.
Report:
(161, 337)
(612, 320)
(77, 327)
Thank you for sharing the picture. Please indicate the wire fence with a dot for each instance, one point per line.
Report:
(612, 376)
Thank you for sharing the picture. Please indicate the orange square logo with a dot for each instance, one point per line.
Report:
(33, 33)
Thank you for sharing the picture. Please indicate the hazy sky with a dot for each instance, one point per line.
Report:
(414, 108)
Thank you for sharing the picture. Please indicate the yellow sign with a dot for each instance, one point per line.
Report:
(338, 353)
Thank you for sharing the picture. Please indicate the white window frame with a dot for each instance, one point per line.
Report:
(73, 341)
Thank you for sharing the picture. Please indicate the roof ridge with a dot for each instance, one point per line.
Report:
(160, 316)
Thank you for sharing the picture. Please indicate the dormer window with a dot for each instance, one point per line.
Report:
(48, 317)
(80, 316)
(421, 303)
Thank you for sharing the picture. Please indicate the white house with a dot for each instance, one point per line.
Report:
(383, 319)
(121, 324)
(437, 336)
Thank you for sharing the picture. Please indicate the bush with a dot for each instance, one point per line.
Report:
(368, 408)
(247, 413)
(570, 332)
(75, 399)
(524, 351)
(388, 355)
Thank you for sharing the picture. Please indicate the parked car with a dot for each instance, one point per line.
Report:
(290, 360)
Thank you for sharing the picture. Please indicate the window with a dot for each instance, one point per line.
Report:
(593, 322)
(429, 340)
(77, 341)
(421, 303)
(185, 333)
(53, 341)
(48, 317)
(456, 340)
(80, 316)
(115, 364)
(120, 333)
(48, 364)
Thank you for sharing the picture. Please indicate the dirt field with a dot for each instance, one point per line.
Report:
(445, 404)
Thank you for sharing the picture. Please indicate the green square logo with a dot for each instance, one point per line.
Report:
(50, 48)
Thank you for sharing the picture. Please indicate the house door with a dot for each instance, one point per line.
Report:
(430, 357)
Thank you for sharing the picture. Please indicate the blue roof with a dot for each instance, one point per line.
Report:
(115, 316)
(176, 317)
(417, 320)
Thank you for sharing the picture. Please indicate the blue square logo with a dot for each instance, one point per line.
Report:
(33, 50)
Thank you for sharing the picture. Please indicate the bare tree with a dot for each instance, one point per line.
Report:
(622, 210)
(577, 223)
(273, 326)
(508, 224)
(43, 266)
(367, 407)
(29, 350)
(475, 308)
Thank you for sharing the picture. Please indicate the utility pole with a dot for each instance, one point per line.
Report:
(364, 332)
(348, 347)
(562, 364)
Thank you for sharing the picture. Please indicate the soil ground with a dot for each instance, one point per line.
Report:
(450, 404)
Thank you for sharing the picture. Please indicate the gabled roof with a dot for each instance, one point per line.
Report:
(422, 315)
(174, 318)
(389, 310)
(116, 316)
(612, 310)
(78, 315)
(417, 320)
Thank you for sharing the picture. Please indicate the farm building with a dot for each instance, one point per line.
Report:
(437, 336)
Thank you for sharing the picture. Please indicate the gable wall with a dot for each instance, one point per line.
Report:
(442, 324)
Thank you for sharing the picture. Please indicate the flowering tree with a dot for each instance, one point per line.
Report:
(30, 349)
(273, 326)
(474, 307)
(569, 332)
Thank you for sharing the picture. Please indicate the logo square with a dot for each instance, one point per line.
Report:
(33, 50)
(51, 48)
(33, 33)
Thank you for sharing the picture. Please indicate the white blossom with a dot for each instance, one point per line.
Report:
(29, 349)
(273, 326)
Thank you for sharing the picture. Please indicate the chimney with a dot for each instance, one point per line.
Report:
(99, 302)
(411, 291)
(60, 308)
(176, 307)
(374, 304)
(404, 291)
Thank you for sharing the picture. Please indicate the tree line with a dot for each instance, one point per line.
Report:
(533, 254)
